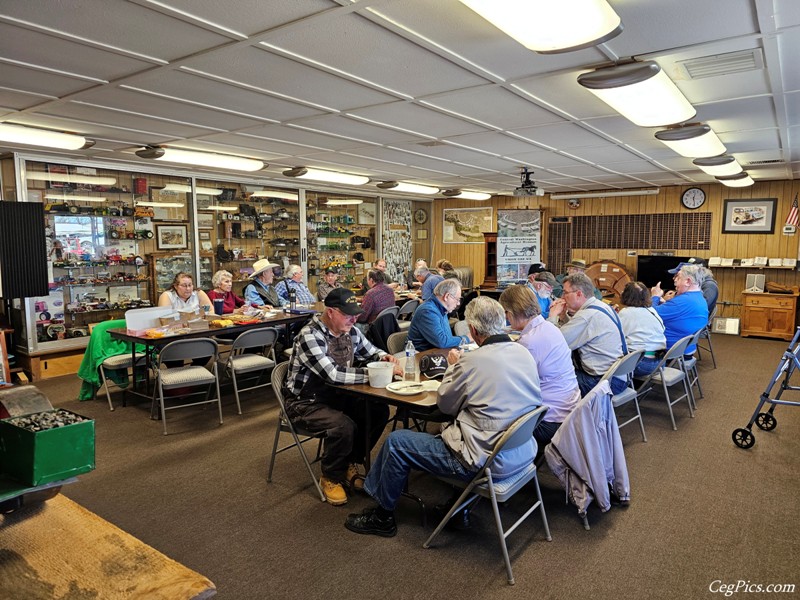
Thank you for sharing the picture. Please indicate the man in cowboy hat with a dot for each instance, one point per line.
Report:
(576, 265)
(261, 292)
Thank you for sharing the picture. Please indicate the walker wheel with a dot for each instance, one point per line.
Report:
(743, 438)
(766, 421)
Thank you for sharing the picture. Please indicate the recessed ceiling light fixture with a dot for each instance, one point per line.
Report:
(551, 27)
(343, 201)
(743, 179)
(462, 195)
(224, 207)
(275, 194)
(692, 141)
(77, 197)
(179, 187)
(409, 188)
(718, 166)
(641, 92)
(201, 159)
(70, 178)
(608, 194)
(31, 136)
(327, 176)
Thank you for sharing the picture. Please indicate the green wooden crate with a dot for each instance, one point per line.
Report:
(36, 458)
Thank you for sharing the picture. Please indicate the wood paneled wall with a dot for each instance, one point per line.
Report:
(731, 281)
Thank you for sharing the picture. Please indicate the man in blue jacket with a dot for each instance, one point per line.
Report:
(687, 311)
(430, 327)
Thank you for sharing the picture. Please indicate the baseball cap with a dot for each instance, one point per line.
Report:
(546, 277)
(344, 300)
(433, 365)
(698, 262)
(536, 268)
(332, 270)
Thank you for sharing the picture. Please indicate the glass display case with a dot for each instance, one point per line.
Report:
(341, 234)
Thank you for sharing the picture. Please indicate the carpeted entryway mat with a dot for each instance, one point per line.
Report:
(61, 550)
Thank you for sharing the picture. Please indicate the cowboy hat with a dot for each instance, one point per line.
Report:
(260, 266)
(577, 263)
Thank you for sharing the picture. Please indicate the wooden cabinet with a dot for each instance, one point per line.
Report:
(490, 278)
(769, 315)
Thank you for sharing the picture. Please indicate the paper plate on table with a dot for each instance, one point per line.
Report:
(407, 388)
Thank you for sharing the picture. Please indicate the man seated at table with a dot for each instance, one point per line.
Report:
(379, 297)
(594, 330)
(327, 351)
(294, 281)
(430, 327)
(428, 281)
(379, 265)
(261, 292)
(330, 281)
(485, 391)
(687, 310)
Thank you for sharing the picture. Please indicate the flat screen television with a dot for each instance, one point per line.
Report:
(652, 269)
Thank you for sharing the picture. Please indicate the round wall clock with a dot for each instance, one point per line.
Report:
(693, 198)
(420, 216)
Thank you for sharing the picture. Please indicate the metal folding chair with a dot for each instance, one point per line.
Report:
(483, 485)
(241, 365)
(706, 335)
(397, 342)
(624, 367)
(285, 426)
(690, 366)
(667, 375)
(189, 377)
(115, 363)
(405, 314)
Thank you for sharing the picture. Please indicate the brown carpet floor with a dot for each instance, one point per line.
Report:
(702, 509)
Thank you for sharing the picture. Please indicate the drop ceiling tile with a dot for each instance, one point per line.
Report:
(344, 40)
(308, 139)
(265, 70)
(738, 115)
(494, 142)
(788, 50)
(631, 167)
(560, 136)
(739, 141)
(16, 100)
(603, 154)
(342, 126)
(263, 143)
(582, 171)
(413, 117)
(546, 160)
(92, 129)
(38, 82)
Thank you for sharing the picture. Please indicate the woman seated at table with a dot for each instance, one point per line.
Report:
(642, 326)
(560, 391)
(223, 290)
(182, 296)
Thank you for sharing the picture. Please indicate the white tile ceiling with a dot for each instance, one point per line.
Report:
(395, 89)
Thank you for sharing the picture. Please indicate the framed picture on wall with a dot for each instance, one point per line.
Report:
(204, 235)
(749, 216)
(422, 234)
(205, 220)
(172, 237)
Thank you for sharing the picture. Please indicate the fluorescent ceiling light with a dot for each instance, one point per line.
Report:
(221, 207)
(740, 180)
(179, 187)
(718, 166)
(328, 176)
(274, 194)
(462, 195)
(640, 92)
(30, 136)
(342, 201)
(201, 159)
(549, 27)
(75, 197)
(409, 188)
(692, 141)
(159, 204)
(70, 178)
(608, 194)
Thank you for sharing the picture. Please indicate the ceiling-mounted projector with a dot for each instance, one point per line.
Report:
(527, 186)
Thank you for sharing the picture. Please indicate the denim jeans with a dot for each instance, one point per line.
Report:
(646, 366)
(586, 382)
(402, 451)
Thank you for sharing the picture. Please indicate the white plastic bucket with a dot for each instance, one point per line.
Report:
(380, 373)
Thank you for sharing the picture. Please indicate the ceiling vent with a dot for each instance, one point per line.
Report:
(758, 163)
(723, 64)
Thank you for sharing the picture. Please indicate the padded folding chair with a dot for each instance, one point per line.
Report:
(116, 363)
(397, 342)
(667, 375)
(241, 365)
(191, 377)
(285, 426)
(690, 366)
(624, 367)
(483, 485)
(384, 325)
(706, 335)
(405, 313)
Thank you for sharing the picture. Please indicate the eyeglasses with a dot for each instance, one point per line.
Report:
(565, 292)
(186, 285)
(346, 316)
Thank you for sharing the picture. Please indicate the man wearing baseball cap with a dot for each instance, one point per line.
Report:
(330, 350)
(708, 285)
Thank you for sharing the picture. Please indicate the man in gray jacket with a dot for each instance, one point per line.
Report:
(486, 391)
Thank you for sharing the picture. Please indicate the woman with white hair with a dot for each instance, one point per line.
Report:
(222, 281)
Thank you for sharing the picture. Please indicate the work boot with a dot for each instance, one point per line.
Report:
(370, 522)
(333, 491)
(354, 478)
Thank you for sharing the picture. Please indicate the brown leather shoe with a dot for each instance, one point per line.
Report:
(355, 478)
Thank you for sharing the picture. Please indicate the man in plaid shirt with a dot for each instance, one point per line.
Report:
(326, 352)
(379, 297)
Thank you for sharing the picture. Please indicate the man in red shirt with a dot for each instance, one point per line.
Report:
(379, 297)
